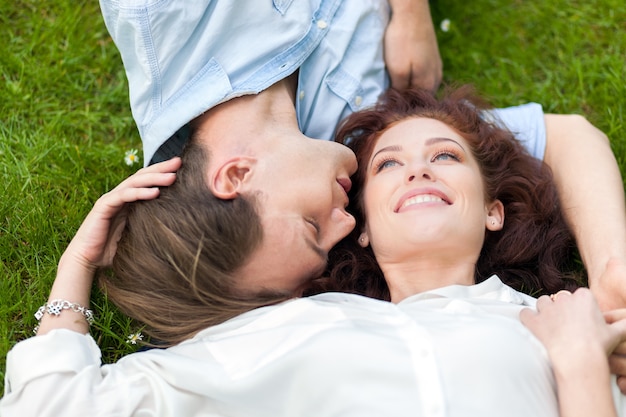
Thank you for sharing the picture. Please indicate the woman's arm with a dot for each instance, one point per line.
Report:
(95, 242)
(411, 52)
(573, 331)
(592, 195)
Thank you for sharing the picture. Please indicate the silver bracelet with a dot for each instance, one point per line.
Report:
(55, 307)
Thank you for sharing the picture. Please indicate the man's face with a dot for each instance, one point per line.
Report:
(303, 185)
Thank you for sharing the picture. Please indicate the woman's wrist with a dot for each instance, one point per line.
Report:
(58, 306)
(72, 286)
(568, 364)
(584, 385)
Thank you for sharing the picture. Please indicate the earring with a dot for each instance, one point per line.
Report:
(493, 222)
(361, 239)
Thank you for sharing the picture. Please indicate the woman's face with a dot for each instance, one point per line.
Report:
(424, 191)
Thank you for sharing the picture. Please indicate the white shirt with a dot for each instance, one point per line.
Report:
(456, 351)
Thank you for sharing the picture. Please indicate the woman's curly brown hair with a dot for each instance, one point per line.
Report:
(534, 252)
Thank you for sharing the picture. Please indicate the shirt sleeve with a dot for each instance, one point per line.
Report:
(57, 351)
(60, 373)
(526, 122)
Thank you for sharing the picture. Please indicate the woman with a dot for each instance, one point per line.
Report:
(331, 354)
(531, 251)
(442, 199)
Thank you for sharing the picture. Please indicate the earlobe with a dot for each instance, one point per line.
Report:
(495, 216)
(364, 240)
(228, 181)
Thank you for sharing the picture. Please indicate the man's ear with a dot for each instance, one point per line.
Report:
(494, 220)
(230, 178)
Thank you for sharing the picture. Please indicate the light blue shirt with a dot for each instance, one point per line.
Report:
(184, 57)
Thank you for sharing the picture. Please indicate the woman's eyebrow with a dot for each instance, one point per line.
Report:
(432, 141)
(390, 148)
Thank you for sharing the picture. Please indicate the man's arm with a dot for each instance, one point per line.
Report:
(592, 194)
(411, 52)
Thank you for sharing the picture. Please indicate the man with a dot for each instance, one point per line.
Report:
(185, 58)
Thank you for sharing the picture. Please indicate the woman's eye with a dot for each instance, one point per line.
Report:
(387, 163)
(446, 156)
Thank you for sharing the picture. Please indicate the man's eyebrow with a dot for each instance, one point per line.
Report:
(317, 249)
(313, 245)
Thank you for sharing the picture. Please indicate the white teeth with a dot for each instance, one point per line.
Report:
(423, 198)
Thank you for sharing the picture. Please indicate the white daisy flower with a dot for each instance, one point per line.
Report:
(134, 338)
(131, 158)
(445, 25)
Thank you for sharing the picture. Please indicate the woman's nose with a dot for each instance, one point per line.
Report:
(423, 172)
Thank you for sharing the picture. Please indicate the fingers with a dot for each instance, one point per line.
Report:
(543, 302)
(618, 330)
(400, 80)
(562, 293)
(618, 347)
(142, 185)
(547, 301)
(527, 314)
(171, 165)
(412, 76)
(618, 364)
(621, 350)
(621, 383)
(579, 311)
(615, 315)
(161, 174)
(428, 79)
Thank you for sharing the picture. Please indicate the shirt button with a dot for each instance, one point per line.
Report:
(301, 95)
(322, 24)
(358, 100)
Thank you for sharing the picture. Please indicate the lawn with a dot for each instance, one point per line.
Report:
(66, 122)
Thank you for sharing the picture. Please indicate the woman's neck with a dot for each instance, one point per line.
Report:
(413, 276)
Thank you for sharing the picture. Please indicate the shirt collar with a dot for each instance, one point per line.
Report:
(490, 289)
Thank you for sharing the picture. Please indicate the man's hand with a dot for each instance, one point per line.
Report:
(411, 52)
(617, 360)
(610, 287)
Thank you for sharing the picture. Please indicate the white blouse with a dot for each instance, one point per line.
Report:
(455, 351)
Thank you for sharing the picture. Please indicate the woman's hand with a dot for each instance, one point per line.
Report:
(579, 341)
(565, 321)
(95, 242)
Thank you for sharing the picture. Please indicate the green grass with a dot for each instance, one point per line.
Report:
(64, 128)
(568, 55)
(65, 121)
